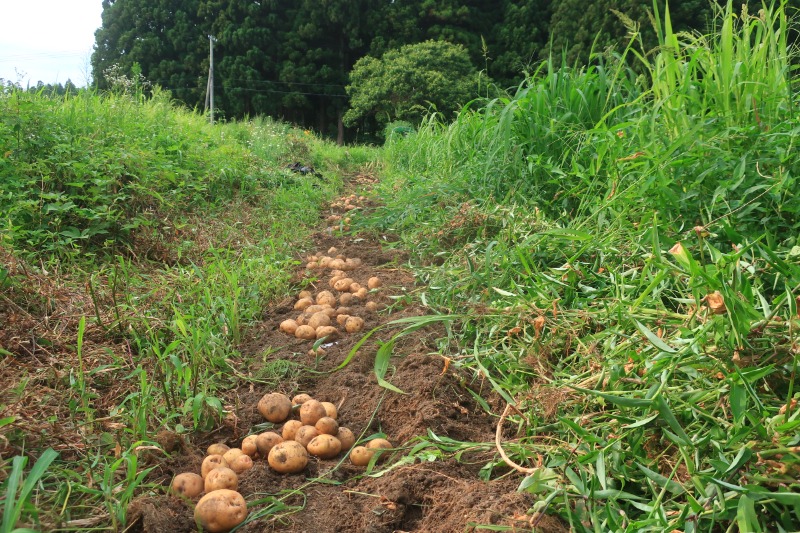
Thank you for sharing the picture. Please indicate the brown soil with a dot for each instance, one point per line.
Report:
(329, 496)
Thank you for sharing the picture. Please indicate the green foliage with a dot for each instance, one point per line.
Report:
(404, 84)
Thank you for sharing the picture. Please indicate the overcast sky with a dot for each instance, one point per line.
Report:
(47, 40)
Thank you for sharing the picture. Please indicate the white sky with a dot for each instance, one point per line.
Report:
(49, 40)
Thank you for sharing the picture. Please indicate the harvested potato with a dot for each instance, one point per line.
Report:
(338, 264)
(326, 297)
(353, 262)
(265, 441)
(374, 282)
(361, 293)
(249, 446)
(301, 398)
(305, 434)
(333, 250)
(232, 454)
(220, 510)
(290, 429)
(188, 484)
(325, 446)
(319, 319)
(289, 326)
(305, 332)
(329, 332)
(354, 324)
(330, 410)
(319, 352)
(343, 284)
(325, 261)
(312, 265)
(355, 287)
(342, 319)
(218, 448)
(301, 321)
(342, 310)
(241, 463)
(360, 455)
(371, 306)
(379, 444)
(288, 457)
(333, 280)
(346, 437)
(211, 462)
(316, 308)
(330, 311)
(275, 407)
(311, 411)
(345, 299)
(303, 303)
(305, 294)
(327, 426)
(221, 478)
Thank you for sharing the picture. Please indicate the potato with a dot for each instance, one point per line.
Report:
(232, 454)
(332, 250)
(210, 463)
(374, 282)
(220, 510)
(342, 319)
(221, 478)
(188, 484)
(330, 311)
(305, 434)
(288, 457)
(360, 455)
(311, 411)
(305, 294)
(218, 448)
(327, 426)
(301, 321)
(312, 265)
(346, 437)
(325, 261)
(342, 310)
(338, 264)
(371, 306)
(326, 297)
(266, 441)
(290, 429)
(354, 324)
(343, 285)
(319, 352)
(361, 293)
(241, 463)
(301, 398)
(355, 287)
(353, 262)
(249, 446)
(325, 446)
(330, 410)
(333, 280)
(316, 308)
(319, 319)
(305, 332)
(329, 332)
(275, 407)
(338, 273)
(345, 299)
(303, 303)
(289, 326)
(379, 444)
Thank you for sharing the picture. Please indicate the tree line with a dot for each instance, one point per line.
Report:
(293, 59)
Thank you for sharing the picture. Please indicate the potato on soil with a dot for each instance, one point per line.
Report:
(220, 510)
(353, 262)
(346, 437)
(303, 303)
(333, 250)
(361, 293)
(354, 324)
(379, 444)
(342, 310)
(374, 282)
(319, 319)
(221, 478)
(311, 411)
(326, 297)
(241, 463)
(301, 398)
(345, 299)
(289, 326)
(316, 308)
(343, 284)
(210, 463)
(372, 307)
(266, 441)
(342, 319)
(325, 446)
(290, 429)
(275, 407)
(333, 280)
(187, 484)
(288, 457)
(305, 332)
(249, 446)
(338, 264)
(305, 434)
(330, 410)
(329, 332)
(319, 352)
(232, 454)
(218, 448)
(305, 294)
(360, 455)
(327, 426)
(355, 287)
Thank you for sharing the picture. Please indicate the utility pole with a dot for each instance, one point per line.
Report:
(210, 86)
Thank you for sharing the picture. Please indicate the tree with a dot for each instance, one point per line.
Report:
(404, 83)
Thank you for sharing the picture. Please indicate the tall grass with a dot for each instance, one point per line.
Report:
(623, 249)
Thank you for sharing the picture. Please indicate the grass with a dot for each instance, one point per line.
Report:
(621, 252)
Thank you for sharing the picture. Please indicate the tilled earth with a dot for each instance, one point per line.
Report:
(399, 495)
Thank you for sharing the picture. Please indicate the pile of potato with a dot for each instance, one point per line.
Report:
(315, 431)
(322, 315)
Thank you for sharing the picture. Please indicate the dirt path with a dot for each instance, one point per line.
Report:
(445, 495)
